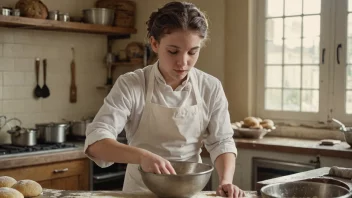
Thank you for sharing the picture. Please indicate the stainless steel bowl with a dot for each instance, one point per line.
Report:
(304, 189)
(102, 16)
(191, 178)
(348, 135)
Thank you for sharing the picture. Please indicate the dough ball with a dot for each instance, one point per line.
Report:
(28, 188)
(267, 124)
(250, 121)
(6, 192)
(6, 181)
(259, 120)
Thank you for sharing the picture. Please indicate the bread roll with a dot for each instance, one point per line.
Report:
(6, 192)
(256, 127)
(28, 188)
(267, 124)
(250, 121)
(6, 181)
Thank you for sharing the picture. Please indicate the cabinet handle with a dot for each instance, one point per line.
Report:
(60, 170)
(323, 56)
(338, 53)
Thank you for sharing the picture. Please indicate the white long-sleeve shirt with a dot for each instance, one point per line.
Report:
(123, 108)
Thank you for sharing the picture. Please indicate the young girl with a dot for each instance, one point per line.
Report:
(169, 109)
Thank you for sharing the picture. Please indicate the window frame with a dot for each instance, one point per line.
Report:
(325, 74)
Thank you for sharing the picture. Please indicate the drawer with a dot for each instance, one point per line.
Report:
(49, 171)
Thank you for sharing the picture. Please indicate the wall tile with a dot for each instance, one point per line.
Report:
(13, 78)
(22, 51)
(7, 64)
(13, 106)
(6, 35)
(1, 49)
(25, 64)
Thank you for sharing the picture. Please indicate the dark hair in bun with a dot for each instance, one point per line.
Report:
(175, 16)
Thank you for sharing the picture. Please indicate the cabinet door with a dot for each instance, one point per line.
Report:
(70, 175)
(66, 183)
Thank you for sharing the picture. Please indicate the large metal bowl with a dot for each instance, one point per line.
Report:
(304, 189)
(348, 135)
(191, 178)
(102, 16)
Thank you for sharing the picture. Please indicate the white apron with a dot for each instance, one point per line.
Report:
(172, 133)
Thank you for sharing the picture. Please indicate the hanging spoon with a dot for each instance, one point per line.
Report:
(341, 124)
(37, 89)
(45, 89)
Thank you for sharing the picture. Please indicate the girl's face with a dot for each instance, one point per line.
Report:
(177, 52)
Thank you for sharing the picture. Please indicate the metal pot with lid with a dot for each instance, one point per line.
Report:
(52, 132)
(78, 128)
(23, 136)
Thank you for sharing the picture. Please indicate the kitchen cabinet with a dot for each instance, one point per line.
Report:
(67, 175)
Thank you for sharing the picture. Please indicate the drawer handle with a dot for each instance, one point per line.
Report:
(60, 170)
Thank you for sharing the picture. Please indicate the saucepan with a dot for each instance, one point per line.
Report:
(23, 136)
(304, 189)
(52, 132)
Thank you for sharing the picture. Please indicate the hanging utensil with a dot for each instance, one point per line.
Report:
(73, 88)
(37, 89)
(45, 90)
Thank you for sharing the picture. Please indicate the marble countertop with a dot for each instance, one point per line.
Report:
(118, 194)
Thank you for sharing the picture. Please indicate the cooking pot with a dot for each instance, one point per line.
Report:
(22, 136)
(52, 132)
(78, 128)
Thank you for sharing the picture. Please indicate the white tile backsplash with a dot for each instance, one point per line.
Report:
(1, 49)
(7, 64)
(24, 64)
(14, 78)
(13, 106)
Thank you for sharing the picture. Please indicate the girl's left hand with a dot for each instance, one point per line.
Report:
(230, 191)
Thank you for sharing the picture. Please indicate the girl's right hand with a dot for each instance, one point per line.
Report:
(153, 163)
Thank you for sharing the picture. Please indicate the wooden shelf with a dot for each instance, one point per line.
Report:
(104, 87)
(43, 24)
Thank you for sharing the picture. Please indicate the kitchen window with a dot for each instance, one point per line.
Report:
(304, 54)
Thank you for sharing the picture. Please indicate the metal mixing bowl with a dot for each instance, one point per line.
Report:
(191, 178)
(304, 189)
(348, 135)
(102, 16)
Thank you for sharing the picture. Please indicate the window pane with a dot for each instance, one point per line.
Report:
(349, 77)
(292, 51)
(311, 6)
(311, 50)
(273, 76)
(310, 100)
(349, 50)
(310, 77)
(311, 26)
(273, 99)
(350, 5)
(293, 27)
(274, 29)
(273, 54)
(291, 100)
(293, 7)
(292, 76)
(349, 102)
(274, 8)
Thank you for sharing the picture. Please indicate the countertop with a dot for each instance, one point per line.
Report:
(298, 146)
(285, 145)
(118, 194)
